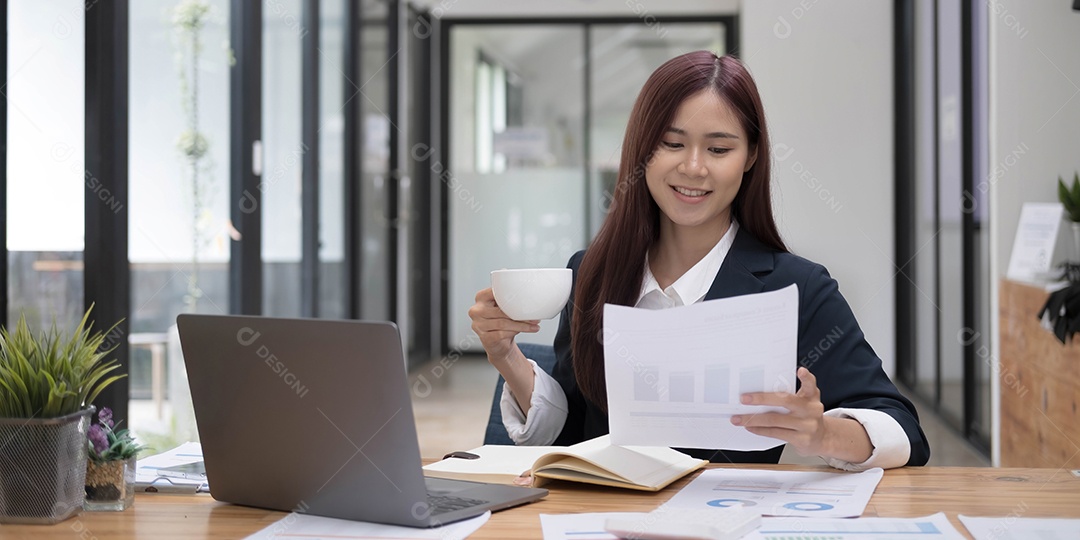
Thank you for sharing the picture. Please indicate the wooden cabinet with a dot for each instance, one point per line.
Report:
(1039, 383)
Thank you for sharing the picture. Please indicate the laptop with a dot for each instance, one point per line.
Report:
(315, 416)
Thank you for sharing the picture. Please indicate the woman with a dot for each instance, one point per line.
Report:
(691, 220)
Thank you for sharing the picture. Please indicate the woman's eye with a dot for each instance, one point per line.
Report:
(719, 151)
(667, 144)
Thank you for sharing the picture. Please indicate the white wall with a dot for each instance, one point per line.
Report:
(825, 74)
(1034, 123)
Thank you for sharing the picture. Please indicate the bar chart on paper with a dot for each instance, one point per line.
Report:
(716, 384)
(780, 493)
(676, 376)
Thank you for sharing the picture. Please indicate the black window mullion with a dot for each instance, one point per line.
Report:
(440, 154)
(936, 399)
(106, 272)
(309, 197)
(353, 160)
(586, 125)
(3, 167)
(423, 306)
(393, 69)
(905, 187)
(245, 132)
(967, 179)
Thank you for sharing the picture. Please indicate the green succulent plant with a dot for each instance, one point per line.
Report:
(1070, 197)
(50, 375)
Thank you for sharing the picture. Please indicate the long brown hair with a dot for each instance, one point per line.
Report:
(614, 264)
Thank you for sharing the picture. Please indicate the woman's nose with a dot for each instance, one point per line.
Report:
(692, 165)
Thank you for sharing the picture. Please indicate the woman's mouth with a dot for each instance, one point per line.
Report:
(692, 193)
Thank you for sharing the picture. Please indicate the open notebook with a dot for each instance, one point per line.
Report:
(594, 461)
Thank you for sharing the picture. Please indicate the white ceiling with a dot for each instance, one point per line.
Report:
(577, 8)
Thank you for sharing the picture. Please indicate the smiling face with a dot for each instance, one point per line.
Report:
(697, 168)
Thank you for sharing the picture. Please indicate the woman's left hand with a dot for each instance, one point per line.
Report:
(804, 426)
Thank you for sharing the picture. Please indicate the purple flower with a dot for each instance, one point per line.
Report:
(98, 439)
(106, 417)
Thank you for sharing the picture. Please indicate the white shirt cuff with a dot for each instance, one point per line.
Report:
(891, 445)
(547, 411)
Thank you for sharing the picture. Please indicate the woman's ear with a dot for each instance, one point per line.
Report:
(751, 158)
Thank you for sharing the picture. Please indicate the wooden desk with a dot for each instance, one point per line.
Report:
(908, 492)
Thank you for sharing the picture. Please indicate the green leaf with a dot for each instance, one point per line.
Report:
(53, 374)
(1070, 198)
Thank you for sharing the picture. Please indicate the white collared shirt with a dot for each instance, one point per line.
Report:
(694, 284)
(548, 407)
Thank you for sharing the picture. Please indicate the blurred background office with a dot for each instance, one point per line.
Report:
(376, 159)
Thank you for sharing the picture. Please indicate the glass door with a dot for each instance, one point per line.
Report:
(517, 182)
(537, 114)
(948, 363)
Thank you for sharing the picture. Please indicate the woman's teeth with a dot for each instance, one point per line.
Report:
(691, 192)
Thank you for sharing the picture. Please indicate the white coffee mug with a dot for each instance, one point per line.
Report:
(530, 294)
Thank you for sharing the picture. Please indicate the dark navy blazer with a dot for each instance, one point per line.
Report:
(831, 345)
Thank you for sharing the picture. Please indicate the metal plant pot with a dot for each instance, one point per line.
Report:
(43, 469)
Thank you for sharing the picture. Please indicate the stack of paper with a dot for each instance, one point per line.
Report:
(148, 480)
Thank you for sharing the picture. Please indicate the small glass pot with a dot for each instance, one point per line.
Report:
(110, 485)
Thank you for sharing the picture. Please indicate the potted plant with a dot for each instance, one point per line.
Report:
(47, 384)
(110, 471)
(1070, 199)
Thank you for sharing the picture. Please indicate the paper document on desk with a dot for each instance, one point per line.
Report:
(590, 526)
(674, 376)
(936, 527)
(148, 480)
(1012, 527)
(311, 527)
(587, 526)
(781, 493)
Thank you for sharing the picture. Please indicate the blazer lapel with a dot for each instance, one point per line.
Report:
(738, 274)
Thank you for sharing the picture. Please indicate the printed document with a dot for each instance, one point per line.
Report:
(148, 480)
(309, 527)
(675, 376)
(1012, 527)
(934, 527)
(781, 493)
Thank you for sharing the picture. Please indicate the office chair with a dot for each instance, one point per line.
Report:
(544, 356)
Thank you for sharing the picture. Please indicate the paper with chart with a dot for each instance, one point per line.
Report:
(588, 526)
(309, 527)
(936, 527)
(1012, 527)
(674, 376)
(781, 493)
(933, 527)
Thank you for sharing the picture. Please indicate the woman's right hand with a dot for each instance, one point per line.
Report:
(497, 332)
(495, 329)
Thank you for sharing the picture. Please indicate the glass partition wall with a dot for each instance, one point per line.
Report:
(943, 333)
(46, 185)
(319, 168)
(536, 114)
(178, 221)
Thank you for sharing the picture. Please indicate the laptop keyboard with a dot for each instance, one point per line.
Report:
(441, 504)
